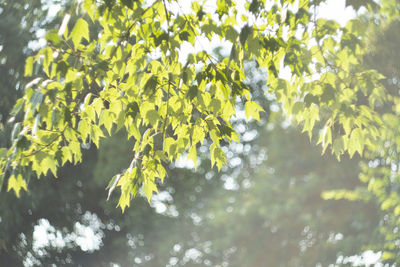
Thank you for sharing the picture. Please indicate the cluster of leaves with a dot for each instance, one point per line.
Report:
(129, 75)
(275, 200)
(380, 170)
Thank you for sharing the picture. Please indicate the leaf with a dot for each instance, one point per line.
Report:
(84, 129)
(36, 124)
(17, 107)
(16, 183)
(63, 156)
(297, 107)
(198, 134)
(36, 99)
(192, 92)
(252, 109)
(150, 85)
(124, 200)
(357, 4)
(16, 130)
(49, 163)
(184, 36)
(356, 142)
(214, 134)
(29, 66)
(53, 37)
(170, 146)
(338, 147)
(328, 94)
(80, 30)
(311, 99)
(388, 256)
(193, 155)
(217, 157)
(152, 116)
(128, 3)
(158, 142)
(149, 187)
(215, 105)
(310, 117)
(244, 34)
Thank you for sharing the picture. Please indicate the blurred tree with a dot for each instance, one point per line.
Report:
(380, 170)
(19, 22)
(276, 217)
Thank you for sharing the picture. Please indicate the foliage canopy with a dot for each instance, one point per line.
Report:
(121, 66)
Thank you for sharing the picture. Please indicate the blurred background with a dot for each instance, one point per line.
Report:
(278, 202)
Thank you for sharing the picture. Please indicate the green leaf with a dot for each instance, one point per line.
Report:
(36, 124)
(297, 107)
(231, 34)
(338, 147)
(128, 3)
(49, 163)
(150, 85)
(311, 99)
(84, 129)
(356, 142)
(170, 146)
(357, 4)
(53, 37)
(193, 155)
(16, 130)
(29, 66)
(124, 200)
(215, 105)
(149, 187)
(184, 36)
(214, 134)
(16, 184)
(217, 157)
(80, 30)
(328, 94)
(36, 99)
(17, 107)
(252, 109)
(244, 34)
(388, 256)
(192, 92)
(152, 116)
(198, 134)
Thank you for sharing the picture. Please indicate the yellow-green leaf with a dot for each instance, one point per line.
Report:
(16, 183)
(80, 30)
(29, 66)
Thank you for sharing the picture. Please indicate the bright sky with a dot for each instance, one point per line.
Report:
(335, 9)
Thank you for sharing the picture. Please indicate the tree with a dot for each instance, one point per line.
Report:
(380, 167)
(94, 196)
(131, 77)
(79, 192)
(276, 216)
(19, 20)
